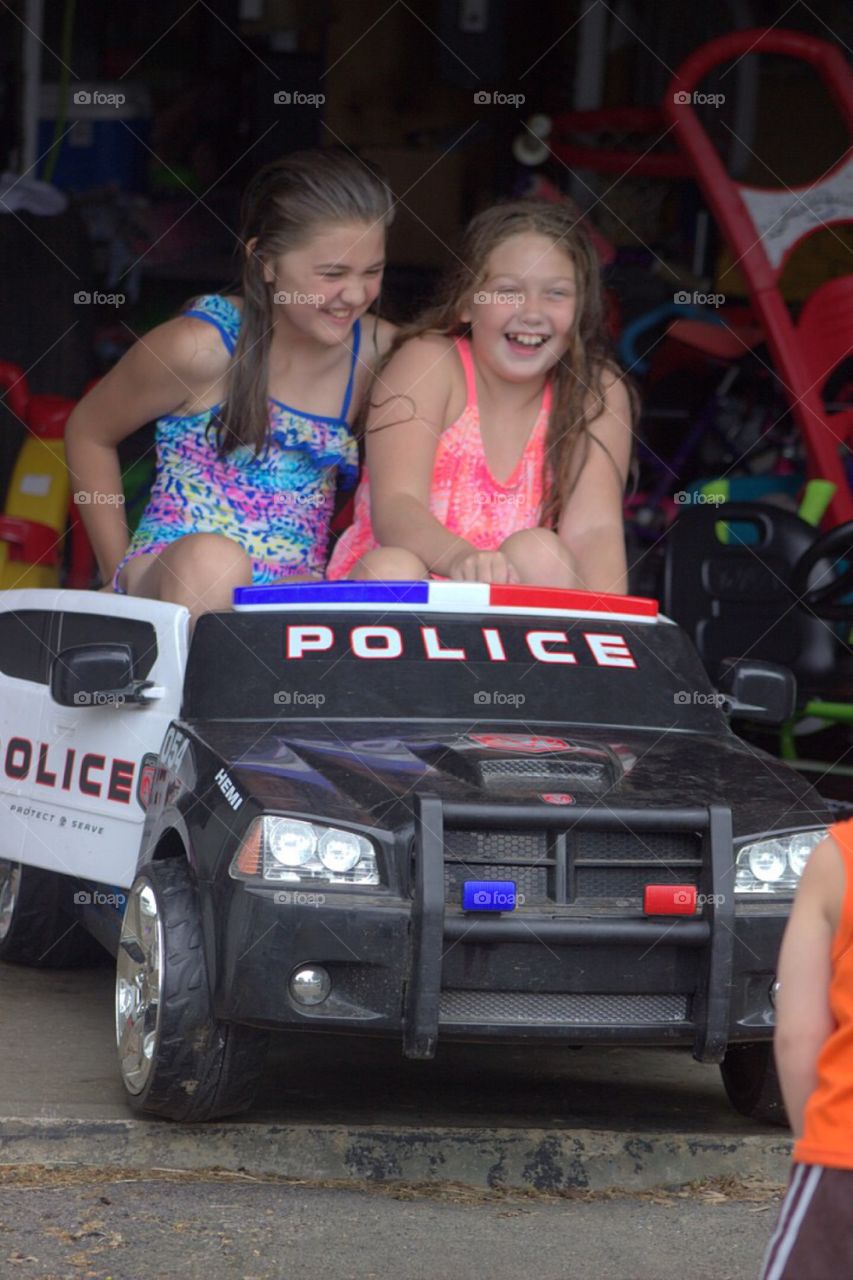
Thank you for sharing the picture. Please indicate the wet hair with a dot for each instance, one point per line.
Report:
(578, 379)
(283, 207)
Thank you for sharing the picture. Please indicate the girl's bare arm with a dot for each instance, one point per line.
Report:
(803, 1015)
(591, 524)
(410, 401)
(164, 371)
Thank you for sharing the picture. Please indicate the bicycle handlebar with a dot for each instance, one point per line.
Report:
(825, 58)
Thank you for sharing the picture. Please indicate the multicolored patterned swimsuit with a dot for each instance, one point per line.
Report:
(464, 495)
(276, 505)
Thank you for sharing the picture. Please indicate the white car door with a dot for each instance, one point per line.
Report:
(69, 776)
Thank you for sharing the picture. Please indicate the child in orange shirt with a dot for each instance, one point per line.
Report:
(814, 1055)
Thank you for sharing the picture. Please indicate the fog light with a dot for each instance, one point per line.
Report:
(774, 992)
(310, 985)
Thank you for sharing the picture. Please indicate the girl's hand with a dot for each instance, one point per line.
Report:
(483, 566)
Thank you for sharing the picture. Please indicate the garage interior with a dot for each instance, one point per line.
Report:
(461, 102)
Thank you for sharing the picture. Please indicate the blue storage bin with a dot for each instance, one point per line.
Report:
(110, 123)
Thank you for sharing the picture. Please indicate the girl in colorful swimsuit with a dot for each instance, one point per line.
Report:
(499, 437)
(245, 483)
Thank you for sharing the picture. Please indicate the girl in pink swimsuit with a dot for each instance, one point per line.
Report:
(245, 483)
(499, 434)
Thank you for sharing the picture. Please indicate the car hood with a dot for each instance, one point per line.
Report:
(368, 774)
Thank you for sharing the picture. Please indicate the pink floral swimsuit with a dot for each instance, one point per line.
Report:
(276, 505)
(464, 494)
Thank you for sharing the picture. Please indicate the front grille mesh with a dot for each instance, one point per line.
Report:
(587, 867)
(495, 846)
(515, 1007)
(576, 770)
(628, 846)
(531, 882)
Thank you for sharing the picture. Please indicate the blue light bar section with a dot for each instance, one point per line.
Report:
(333, 593)
(489, 895)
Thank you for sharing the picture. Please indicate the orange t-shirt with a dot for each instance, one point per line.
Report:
(828, 1123)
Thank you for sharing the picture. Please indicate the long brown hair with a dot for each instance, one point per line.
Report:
(578, 378)
(284, 204)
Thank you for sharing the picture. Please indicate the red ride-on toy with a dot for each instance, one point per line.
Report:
(763, 226)
(39, 509)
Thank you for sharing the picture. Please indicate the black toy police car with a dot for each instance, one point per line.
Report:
(427, 811)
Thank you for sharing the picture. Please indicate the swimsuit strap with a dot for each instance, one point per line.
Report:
(356, 343)
(466, 355)
(463, 346)
(222, 314)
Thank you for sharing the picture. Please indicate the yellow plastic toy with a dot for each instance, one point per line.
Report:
(35, 516)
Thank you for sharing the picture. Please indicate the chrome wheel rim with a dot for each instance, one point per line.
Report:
(10, 886)
(139, 972)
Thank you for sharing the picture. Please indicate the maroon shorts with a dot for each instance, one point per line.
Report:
(813, 1239)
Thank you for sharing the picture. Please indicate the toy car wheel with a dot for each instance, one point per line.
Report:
(37, 924)
(176, 1059)
(752, 1083)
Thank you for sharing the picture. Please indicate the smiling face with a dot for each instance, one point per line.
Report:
(522, 313)
(322, 287)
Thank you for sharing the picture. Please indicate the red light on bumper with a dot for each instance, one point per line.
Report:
(669, 900)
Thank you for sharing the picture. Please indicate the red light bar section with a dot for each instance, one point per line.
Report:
(669, 900)
(521, 597)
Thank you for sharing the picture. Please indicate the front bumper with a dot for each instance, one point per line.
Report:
(409, 964)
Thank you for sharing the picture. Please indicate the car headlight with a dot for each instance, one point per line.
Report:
(341, 850)
(292, 843)
(290, 849)
(776, 864)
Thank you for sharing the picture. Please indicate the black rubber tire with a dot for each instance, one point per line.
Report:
(44, 932)
(201, 1069)
(752, 1083)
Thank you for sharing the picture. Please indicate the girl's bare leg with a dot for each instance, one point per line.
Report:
(199, 571)
(389, 563)
(541, 559)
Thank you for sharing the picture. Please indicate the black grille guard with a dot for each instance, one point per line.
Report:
(430, 931)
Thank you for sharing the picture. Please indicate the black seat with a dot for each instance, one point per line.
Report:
(734, 597)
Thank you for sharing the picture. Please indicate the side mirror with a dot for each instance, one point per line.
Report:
(762, 691)
(98, 675)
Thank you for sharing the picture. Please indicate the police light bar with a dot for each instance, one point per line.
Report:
(443, 597)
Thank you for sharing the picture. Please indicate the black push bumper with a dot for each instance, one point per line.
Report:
(407, 961)
(712, 936)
